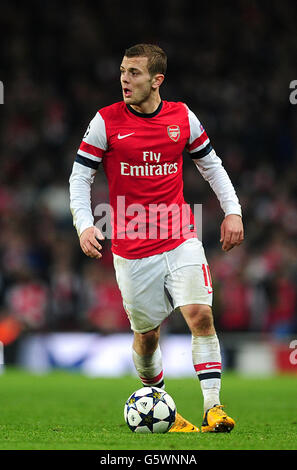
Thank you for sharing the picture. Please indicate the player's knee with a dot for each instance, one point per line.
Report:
(200, 319)
(205, 319)
(146, 343)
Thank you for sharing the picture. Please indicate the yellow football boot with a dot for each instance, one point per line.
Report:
(216, 420)
(182, 425)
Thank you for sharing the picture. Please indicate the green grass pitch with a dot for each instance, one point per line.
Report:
(69, 411)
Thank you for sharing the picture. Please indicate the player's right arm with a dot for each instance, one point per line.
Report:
(89, 156)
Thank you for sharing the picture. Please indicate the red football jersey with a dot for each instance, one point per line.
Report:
(142, 159)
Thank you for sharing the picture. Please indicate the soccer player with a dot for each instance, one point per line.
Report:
(159, 262)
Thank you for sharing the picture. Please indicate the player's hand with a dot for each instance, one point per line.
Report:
(89, 243)
(231, 232)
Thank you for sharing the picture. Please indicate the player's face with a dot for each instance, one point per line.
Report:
(135, 80)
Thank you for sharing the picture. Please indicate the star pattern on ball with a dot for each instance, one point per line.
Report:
(149, 420)
(144, 412)
(171, 417)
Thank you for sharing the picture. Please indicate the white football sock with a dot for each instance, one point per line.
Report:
(206, 357)
(149, 368)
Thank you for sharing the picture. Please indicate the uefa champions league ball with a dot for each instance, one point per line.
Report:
(150, 410)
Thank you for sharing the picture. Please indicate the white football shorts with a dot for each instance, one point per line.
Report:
(154, 286)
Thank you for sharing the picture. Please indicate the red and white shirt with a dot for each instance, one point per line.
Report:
(142, 159)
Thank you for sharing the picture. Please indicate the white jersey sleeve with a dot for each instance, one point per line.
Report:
(94, 143)
(210, 166)
(198, 144)
(212, 170)
(89, 156)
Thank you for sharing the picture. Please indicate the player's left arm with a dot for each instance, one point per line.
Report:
(211, 168)
(232, 232)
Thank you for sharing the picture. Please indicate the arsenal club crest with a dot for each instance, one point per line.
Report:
(173, 132)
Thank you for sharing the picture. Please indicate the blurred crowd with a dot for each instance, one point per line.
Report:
(232, 63)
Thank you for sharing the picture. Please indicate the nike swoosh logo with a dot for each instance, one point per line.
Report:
(126, 135)
(213, 366)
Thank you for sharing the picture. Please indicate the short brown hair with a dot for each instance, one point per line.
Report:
(157, 59)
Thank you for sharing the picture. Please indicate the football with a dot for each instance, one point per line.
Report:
(150, 410)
